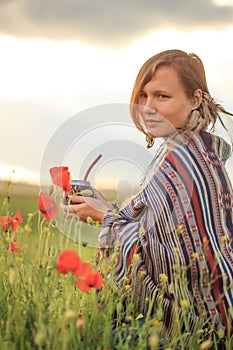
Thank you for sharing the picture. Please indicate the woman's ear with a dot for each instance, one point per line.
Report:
(197, 98)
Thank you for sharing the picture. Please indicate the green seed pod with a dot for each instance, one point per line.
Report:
(86, 193)
(90, 220)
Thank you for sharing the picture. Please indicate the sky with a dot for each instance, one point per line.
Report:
(67, 68)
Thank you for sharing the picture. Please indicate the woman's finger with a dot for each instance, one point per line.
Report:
(76, 199)
(69, 208)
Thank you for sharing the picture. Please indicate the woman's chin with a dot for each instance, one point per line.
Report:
(161, 131)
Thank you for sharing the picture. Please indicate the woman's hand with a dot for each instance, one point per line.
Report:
(87, 207)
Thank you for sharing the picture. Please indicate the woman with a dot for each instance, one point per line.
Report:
(180, 226)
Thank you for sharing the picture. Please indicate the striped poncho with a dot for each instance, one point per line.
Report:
(175, 237)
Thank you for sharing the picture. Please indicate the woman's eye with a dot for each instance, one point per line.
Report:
(162, 96)
(142, 95)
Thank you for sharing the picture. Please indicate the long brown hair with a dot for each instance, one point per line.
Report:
(191, 73)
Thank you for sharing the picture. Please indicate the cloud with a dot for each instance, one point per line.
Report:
(107, 22)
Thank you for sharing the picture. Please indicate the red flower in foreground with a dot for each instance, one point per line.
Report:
(5, 222)
(82, 270)
(68, 261)
(61, 177)
(92, 280)
(13, 248)
(47, 206)
(14, 221)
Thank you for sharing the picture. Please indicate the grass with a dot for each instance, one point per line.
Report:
(43, 309)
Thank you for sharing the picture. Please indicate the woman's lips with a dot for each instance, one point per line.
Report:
(152, 122)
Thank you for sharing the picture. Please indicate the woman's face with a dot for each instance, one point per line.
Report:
(165, 103)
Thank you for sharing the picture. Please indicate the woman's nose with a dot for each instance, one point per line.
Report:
(149, 109)
(149, 106)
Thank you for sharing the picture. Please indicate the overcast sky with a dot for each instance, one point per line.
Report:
(108, 23)
(61, 57)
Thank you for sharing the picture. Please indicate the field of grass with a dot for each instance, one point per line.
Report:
(41, 308)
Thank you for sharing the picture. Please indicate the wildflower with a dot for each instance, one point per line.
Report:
(27, 228)
(207, 344)
(16, 220)
(163, 278)
(89, 220)
(171, 288)
(92, 280)
(155, 323)
(117, 245)
(18, 259)
(82, 270)
(68, 261)
(79, 324)
(221, 333)
(141, 231)
(97, 223)
(142, 273)
(47, 206)
(224, 238)
(153, 341)
(136, 257)
(13, 248)
(200, 331)
(7, 221)
(185, 304)
(179, 229)
(61, 177)
(69, 314)
(126, 288)
(128, 319)
(127, 280)
(45, 229)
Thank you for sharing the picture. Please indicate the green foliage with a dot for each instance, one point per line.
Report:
(43, 309)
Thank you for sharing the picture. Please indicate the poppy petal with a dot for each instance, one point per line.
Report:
(61, 177)
(47, 206)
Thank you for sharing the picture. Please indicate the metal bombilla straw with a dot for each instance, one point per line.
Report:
(91, 166)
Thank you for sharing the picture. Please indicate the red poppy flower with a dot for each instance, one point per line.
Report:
(14, 221)
(47, 206)
(92, 280)
(13, 248)
(82, 270)
(61, 177)
(5, 222)
(68, 261)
